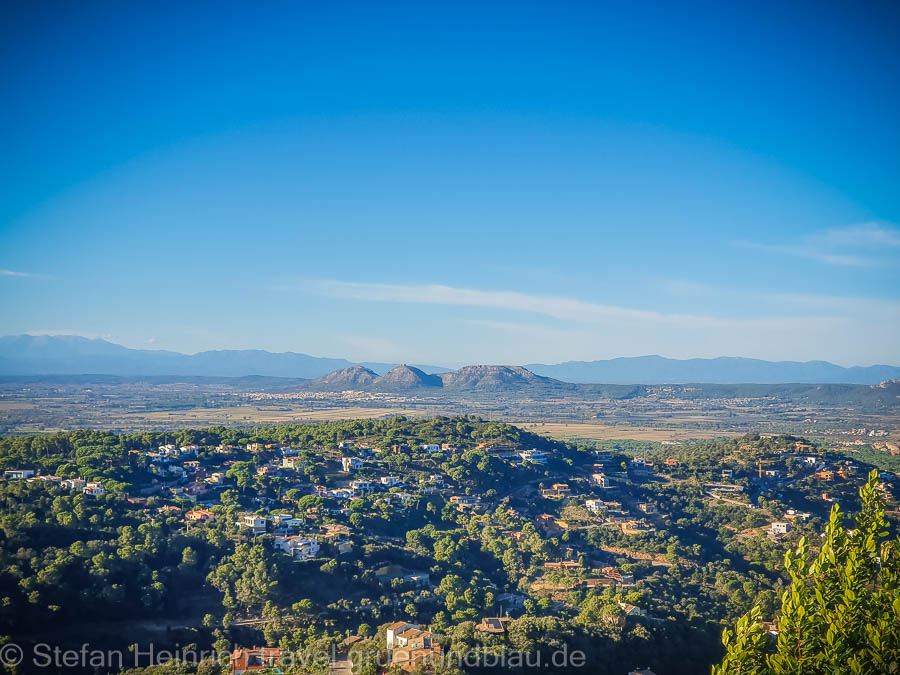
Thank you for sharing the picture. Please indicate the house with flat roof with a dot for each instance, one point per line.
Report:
(493, 625)
(253, 522)
(18, 474)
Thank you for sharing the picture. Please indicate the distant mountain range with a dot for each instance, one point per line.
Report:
(73, 355)
(722, 370)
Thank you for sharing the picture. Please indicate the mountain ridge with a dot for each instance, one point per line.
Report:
(75, 355)
(656, 369)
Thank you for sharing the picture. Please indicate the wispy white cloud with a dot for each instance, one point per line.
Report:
(13, 273)
(853, 246)
(811, 252)
(567, 309)
(68, 331)
(433, 294)
(526, 328)
(863, 235)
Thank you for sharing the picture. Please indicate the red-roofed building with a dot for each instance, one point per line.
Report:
(256, 660)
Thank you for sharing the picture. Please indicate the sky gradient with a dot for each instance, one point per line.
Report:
(453, 184)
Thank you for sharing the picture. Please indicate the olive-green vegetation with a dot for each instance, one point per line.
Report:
(841, 613)
(658, 594)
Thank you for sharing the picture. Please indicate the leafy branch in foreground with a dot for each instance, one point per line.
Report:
(841, 613)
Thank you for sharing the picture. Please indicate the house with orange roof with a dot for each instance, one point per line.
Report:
(255, 660)
(200, 516)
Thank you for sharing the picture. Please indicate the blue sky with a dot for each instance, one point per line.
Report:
(455, 183)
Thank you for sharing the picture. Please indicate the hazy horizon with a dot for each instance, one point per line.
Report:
(439, 364)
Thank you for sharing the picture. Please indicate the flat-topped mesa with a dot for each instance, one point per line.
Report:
(492, 377)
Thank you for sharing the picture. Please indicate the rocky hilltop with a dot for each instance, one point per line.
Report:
(493, 378)
(405, 377)
(354, 377)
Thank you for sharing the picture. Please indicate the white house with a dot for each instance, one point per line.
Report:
(18, 474)
(93, 488)
(431, 448)
(284, 521)
(252, 522)
(299, 548)
(400, 634)
(780, 528)
(390, 481)
(351, 463)
(361, 485)
(533, 456)
(595, 505)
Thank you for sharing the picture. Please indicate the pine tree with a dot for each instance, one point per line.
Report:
(841, 613)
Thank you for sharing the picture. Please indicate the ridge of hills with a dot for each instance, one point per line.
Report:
(72, 355)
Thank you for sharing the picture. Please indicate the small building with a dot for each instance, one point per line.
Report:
(595, 505)
(411, 648)
(292, 462)
(798, 515)
(533, 457)
(616, 574)
(495, 625)
(599, 479)
(727, 474)
(359, 486)
(635, 526)
(334, 531)
(200, 516)
(558, 490)
(255, 660)
(390, 481)
(563, 565)
(299, 548)
(252, 522)
(647, 507)
(18, 474)
(94, 488)
(632, 610)
(779, 528)
(351, 463)
(431, 448)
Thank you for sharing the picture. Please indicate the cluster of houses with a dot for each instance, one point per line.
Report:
(88, 487)
(411, 647)
(287, 536)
